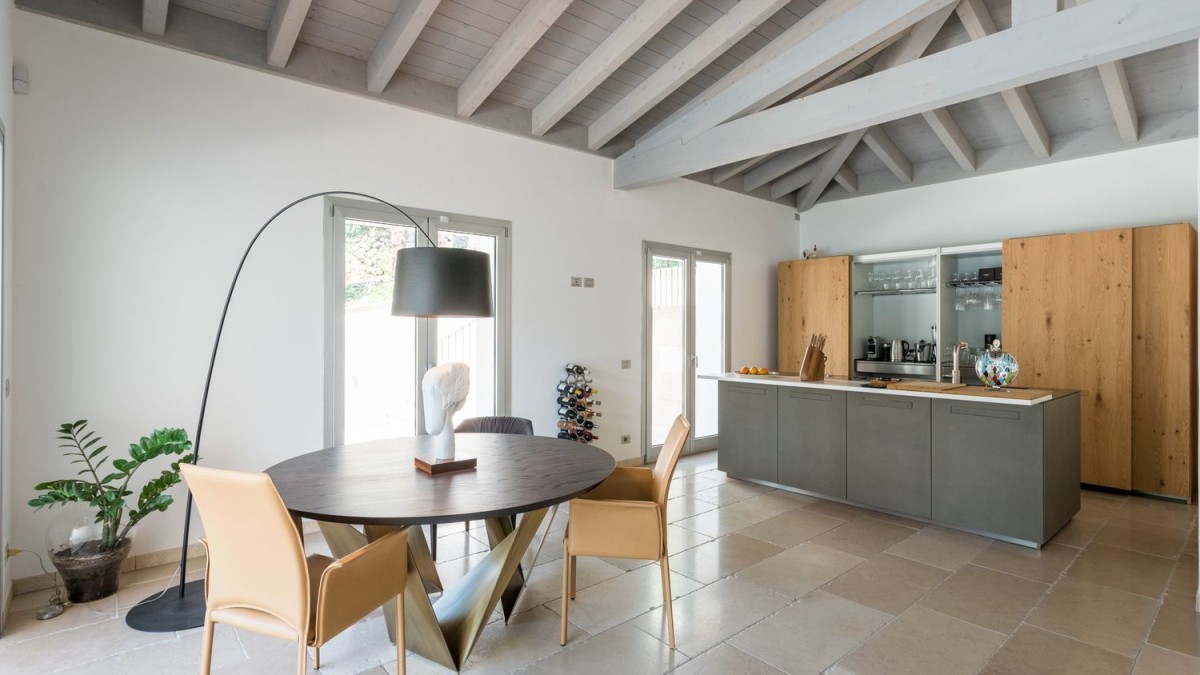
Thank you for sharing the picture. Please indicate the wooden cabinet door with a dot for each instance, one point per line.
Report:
(814, 297)
(1067, 319)
(1164, 359)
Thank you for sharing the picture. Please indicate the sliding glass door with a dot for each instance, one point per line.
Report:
(686, 321)
(378, 359)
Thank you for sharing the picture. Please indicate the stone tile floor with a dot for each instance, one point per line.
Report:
(765, 581)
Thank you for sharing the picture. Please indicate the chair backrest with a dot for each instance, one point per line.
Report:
(495, 425)
(668, 457)
(255, 555)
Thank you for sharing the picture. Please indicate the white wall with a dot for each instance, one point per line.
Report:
(143, 173)
(1145, 186)
(6, 119)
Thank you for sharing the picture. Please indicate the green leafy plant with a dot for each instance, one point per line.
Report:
(106, 492)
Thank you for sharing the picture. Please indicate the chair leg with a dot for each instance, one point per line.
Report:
(206, 653)
(667, 604)
(302, 657)
(316, 658)
(562, 637)
(433, 541)
(401, 657)
(573, 558)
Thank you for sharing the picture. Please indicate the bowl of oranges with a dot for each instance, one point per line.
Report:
(754, 370)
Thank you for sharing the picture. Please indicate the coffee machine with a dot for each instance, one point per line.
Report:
(875, 348)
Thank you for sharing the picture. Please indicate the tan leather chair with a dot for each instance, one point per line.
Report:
(258, 578)
(626, 517)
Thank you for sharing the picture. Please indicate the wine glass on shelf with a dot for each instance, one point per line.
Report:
(918, 279)
(908, 279)
(872, 281)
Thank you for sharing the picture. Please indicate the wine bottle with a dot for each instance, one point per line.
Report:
(566, 412)
(566, 400)
(568, 436)
(568, 426)
(591, 413)
(575, 369)
(588, 424)
(563, 387)
(589, 436)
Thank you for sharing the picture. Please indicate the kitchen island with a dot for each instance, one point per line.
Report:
(1004, 464)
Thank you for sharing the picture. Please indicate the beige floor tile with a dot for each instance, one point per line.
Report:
(1046, 564)
(1098, 615)
(680, 508)
(792, 528)
(1093, 504)
(77, 646)
(987, 598)
(924, 642)
(864, 537)
(1032, 651)
(452, 571)
(697, 463)
(690, 484)
(1124, 569)
(722, 557)
(812, 634)
(837, 509)
(800, 569)
(724, 660)
(888, 583)
(528, 638)
(627, 564)
(623, 649)
(606, 604)
(784, 500)
(23, 624)
(731, 492)
(1136, 535)
(1079, 532)
(940, 547)
(1177, 628)
(680, 539)
(1181, 589)
(545, 583)
(711, 615)
(728, 519)
(1157, 512)
(898, 520)
(1157, 661)
(181, 654)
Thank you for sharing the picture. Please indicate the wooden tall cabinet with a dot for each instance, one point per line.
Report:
(814, 297)
(1111, 313)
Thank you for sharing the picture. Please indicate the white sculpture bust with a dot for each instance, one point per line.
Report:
(444, 389)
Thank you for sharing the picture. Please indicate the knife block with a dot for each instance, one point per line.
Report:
(812, 368)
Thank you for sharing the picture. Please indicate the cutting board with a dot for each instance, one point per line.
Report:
(935, 387)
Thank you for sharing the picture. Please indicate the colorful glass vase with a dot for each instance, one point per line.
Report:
(997, 368)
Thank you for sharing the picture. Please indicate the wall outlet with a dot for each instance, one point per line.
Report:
(626, 364)
(589, 282)
(624, 439)
(576, 282)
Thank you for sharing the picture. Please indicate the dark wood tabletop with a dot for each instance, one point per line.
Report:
(375, 483)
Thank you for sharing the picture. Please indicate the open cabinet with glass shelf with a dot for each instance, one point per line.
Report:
(895, 301)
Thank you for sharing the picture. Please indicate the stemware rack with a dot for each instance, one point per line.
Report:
(578, 419)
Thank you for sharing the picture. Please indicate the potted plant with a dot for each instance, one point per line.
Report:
(88, 552)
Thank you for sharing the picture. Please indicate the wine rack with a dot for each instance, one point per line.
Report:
(578, 419)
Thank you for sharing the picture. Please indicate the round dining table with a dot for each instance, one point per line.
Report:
(376, 484)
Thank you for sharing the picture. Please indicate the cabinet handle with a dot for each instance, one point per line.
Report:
(985, 412)
(887, 403)
(810, 397)
(757, 391)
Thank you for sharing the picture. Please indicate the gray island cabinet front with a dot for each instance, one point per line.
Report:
(1009, 470)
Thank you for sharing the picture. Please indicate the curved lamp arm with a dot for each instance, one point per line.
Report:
(217, 343)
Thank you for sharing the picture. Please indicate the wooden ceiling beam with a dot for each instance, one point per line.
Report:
(978, 22)
(839, 34)
(951, 136)
(793, 181)
(1120, 98)
(724, 173)
(398, 38)
(827, 168)
(889, 153)
(154, 16)
(286, 21)
(1024, 11)
(784, 163)
(714, 41)
(645, 22)
(1100, 31)
(514, 43)
(846, 177)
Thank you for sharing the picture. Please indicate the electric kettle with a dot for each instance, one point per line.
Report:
(899, 347)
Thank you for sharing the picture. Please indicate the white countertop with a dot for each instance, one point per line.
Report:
(984, 395)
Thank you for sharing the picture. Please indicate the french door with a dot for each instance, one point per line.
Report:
(686, 323)
(375, 368)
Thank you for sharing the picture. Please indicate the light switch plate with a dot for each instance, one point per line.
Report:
(576, 282)
(589, 282)
(626, 364)
(624, 439)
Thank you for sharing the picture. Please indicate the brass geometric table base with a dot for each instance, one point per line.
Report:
(447, 630)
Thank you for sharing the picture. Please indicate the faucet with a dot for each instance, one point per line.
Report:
(954, 377)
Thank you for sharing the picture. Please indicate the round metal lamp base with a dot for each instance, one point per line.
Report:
(170, 612)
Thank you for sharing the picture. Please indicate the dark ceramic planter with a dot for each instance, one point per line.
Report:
(89, 573)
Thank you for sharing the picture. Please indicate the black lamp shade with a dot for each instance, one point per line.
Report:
(432, 281)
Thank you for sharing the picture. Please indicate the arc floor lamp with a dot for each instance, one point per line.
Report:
(430, 282)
